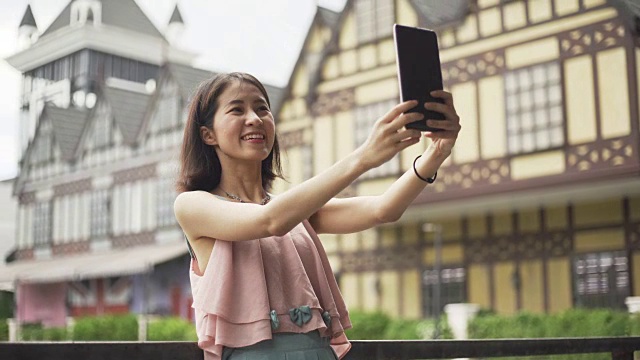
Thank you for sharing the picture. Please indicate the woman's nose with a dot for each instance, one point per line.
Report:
(253, 118)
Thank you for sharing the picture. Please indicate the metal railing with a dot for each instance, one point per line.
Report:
(620, 348)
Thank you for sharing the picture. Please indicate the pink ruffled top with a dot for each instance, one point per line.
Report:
(251, 289)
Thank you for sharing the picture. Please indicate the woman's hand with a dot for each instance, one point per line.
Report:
(443, 141)
(389, 136)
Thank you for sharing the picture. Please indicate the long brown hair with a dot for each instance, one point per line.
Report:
(200, 167)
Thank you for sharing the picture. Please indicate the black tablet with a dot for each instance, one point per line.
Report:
(419, 71)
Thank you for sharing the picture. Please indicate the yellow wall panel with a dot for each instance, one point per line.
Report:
(465, 98)
(556, 218)
(490, 22)
(636, 277)
(505, 295)
(409, 154)
(367, 56)
(334, 263)
(493, 124)
(532, 290)
(323, 144)
(411, 295)
(468, 30)
(477, 226)
(564, 7)
(330, 68)
(350, 242)
(531, 53)
(539, 10)
(486, 3)
(348, 34)
(615, 119)
(406, 13)
(387, 52)
(478, 286)
(344, 136)
(330, 242)
(388, 236)
(374, 187)
(593, 3)
(410, 234)
(348, 62)
(316, 41)
(369, 239)
(301, 81)
(536, 165)
(599, 240)
(559, 282)
(344, 82)
(597, 213)
(294, 165)
(377, 91)
(580, 100)
(285, 112)
(502, 223)
(369, 291)
(515, 15)
(634, 208)
(349, 290)
(638, 73)
(390, 296)
(451, 228)
(299, 107)
(529, 220)
(447, 38)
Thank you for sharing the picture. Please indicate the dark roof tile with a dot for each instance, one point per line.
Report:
(128, 109)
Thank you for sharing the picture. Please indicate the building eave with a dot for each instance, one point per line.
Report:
(105, 38)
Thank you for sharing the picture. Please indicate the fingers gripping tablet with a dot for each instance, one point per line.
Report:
(419, 71)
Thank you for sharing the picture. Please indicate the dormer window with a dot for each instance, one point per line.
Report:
(83, 11)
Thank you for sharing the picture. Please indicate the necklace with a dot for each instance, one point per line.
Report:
(264, 201)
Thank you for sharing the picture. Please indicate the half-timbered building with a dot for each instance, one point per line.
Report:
(539, 204)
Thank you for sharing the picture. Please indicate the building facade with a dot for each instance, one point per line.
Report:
(539, 204)
(104, 102)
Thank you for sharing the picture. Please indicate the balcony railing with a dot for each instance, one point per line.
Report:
(620, 348)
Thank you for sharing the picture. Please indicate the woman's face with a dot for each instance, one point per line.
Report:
(243, 126)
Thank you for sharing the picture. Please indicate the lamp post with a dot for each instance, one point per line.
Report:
(437, 230)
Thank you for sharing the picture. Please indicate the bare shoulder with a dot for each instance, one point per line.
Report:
(190, 206)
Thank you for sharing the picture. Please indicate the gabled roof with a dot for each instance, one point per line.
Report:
(438, 13)
(629, 10)
(68, 125)
(124, 14)
(187, 77)
(323, 16)
(176, 17)
(128, 109)
(28, 19)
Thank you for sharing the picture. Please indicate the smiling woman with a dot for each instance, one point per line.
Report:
(261, 281)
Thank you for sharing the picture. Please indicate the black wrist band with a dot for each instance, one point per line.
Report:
(427, 180)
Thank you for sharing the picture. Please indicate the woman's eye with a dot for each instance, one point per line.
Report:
(264, 108)
(236, 110)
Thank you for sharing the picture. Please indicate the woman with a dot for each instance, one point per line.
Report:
(261, 282)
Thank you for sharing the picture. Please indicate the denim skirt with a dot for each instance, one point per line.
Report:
(285, 346)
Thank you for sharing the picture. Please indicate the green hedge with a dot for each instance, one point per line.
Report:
(171, 329)
(106, 328)
(377, 325)
(4, 330)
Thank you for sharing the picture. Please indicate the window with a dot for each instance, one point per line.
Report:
(166, 115)
(102, 129)
(166, 197)
(601, 280)
(365, 117)
(42, 224)
(100, 213)
(452, 288)
(374, 19)
(534, 108)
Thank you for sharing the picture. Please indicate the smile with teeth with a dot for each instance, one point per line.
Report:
(253, 137)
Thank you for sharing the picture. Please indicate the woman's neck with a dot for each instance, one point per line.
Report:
(244, 182)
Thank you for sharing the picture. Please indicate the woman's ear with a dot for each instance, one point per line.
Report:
(208, 136)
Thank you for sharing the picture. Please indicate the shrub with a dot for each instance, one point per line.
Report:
(367, 325)
(171, 329)
(4, 330)
(106, 328)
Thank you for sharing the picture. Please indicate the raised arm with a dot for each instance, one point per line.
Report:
(341, 216)
(201, 214)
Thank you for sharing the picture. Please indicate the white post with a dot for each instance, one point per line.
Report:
(71, 323)
(459, 316)
(633, 304)
(14, 330)
(142, 327)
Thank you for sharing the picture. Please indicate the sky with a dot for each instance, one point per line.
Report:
(262, 37)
